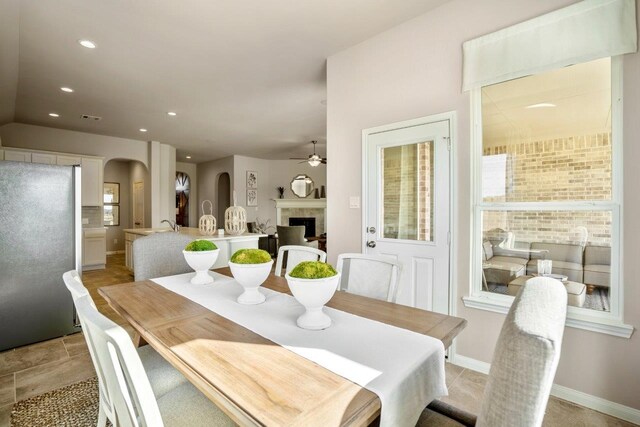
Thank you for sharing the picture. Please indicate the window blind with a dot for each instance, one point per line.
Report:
(585, 31)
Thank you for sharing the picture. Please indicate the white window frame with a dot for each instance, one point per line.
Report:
(611, 322)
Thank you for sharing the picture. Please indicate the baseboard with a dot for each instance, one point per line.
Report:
(114, 252)
(469, 363)
(599, 404)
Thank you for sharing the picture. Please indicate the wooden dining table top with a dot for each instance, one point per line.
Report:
(254, 380)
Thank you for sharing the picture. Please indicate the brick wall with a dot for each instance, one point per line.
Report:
(407, 191)
(577, 168)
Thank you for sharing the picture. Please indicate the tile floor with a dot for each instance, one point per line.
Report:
(38, 368)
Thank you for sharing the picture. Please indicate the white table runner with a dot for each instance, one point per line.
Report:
(405, 369)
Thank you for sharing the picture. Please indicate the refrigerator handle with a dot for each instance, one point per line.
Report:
(77, 180)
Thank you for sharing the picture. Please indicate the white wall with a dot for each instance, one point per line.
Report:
(191, 169)
(414, 70)
(118, 171)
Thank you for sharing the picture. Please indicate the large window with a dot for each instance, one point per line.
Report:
(547, 186)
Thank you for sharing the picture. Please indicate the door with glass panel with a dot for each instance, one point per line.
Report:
(406, 180)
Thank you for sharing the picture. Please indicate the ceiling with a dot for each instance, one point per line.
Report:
(581, 95)
(244, 77)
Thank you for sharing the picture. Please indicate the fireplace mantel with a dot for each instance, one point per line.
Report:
(301, 203)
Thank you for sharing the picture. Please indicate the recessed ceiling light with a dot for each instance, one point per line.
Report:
(541, 105)
(188, 157)
(66, 89)
(87, 43)
(143, 130)
(54, 114)
(172, 113)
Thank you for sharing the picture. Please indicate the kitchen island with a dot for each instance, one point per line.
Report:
(227, 243)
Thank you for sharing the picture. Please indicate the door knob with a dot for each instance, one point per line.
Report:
(371, 243)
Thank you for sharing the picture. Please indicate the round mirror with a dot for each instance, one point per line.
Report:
(302, 185)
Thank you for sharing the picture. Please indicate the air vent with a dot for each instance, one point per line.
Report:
(89, 117)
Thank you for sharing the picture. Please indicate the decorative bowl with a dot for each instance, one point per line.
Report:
(313, 294)
(201, 262)
(250, 277)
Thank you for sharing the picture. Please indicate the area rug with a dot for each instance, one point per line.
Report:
(74, 405)
(597, 300)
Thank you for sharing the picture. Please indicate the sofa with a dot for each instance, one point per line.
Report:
(590, 265)
(566, 259)
(503, 265)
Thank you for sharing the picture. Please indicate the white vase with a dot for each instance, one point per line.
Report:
(250, 277)
(313, 294)
(201, 262)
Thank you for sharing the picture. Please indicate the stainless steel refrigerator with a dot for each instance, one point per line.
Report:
(40, 239)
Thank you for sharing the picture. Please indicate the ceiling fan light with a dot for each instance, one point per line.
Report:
(314, 162)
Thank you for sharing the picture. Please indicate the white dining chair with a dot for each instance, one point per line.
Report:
(524, 361)
(369, 276)
(132, 397)
(162, 375)
(295, 255)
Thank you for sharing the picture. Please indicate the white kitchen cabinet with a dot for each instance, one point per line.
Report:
(94, 249)
(1, 154)
(44, 158)
(65, 160)
(17, 156)
(92, 182)
(128, 249)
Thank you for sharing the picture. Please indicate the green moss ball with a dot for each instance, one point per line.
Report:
(250, 256)
(313, 270)
(200, 246)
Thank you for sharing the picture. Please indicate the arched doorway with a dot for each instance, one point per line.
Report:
(224, 195)
(183, 189)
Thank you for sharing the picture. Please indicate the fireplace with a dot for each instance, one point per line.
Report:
(309, 225)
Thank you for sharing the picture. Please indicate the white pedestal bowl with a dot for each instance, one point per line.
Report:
(251, 277)
(313, 294)
(201, 262)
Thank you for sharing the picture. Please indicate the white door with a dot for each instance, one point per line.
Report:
(406, 211)
(138, 204)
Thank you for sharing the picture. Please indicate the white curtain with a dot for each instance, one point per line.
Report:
(585, 31)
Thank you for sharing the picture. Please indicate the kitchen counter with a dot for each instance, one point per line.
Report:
(227, 243)
(191, 232)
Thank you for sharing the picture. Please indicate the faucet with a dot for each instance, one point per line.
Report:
(174, 225)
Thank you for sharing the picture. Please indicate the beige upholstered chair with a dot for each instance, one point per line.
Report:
(295, 255)
(524, 361)
(159, 255)
(369, 276)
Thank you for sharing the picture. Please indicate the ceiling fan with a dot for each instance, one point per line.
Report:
(313, 159)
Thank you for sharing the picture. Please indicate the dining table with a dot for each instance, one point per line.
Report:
(255, 381)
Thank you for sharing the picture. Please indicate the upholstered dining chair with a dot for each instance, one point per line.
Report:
(159, 255)
(125, 378)
(162, 375)
(524, 361)
(295, 255)
(369, 276)
(293, 235)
